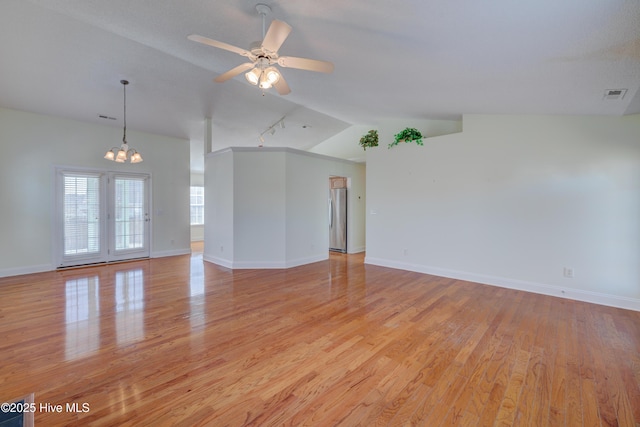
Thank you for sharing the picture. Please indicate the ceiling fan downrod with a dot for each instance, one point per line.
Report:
(263, 10)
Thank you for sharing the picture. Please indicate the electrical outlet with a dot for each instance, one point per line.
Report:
(568, 272)
(405, 251)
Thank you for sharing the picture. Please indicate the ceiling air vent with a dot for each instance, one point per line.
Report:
(614, 93)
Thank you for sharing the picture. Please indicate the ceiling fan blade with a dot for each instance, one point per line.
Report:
(234, 72)
(305, 64)
(276, 35)
(281, 86)
(220, 45)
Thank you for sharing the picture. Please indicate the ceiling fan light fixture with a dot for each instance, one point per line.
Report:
(264, 82)
(253, 76)
(272, 75)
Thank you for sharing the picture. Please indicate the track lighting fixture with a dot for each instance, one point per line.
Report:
(271, 130)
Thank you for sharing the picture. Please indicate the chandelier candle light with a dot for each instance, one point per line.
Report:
(121, 154)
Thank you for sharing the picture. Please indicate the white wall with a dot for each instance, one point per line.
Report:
(259, 196)
(197, 233)
(276, 214)
(512, 201)
(32, 145)
(218, 208)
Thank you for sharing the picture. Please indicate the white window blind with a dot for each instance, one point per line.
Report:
(197, 205)
(81, 214)
(129, 213)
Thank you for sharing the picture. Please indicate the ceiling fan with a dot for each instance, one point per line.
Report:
(263, 55)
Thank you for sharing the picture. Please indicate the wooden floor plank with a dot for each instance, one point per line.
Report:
(178, 341)
(574, 403)
(507, 412)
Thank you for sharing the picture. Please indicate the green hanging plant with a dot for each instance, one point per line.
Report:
(369, 140)
(407, 135)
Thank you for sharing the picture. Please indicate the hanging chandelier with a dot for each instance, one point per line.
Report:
(123, 153)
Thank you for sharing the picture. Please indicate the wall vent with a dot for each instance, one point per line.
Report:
(614, 93)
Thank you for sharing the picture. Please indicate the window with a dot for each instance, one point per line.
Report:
(197, 205)
(81, 206)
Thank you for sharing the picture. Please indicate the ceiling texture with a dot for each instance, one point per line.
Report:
(415, 59)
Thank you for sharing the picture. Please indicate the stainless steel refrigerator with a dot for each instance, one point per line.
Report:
(338, 220)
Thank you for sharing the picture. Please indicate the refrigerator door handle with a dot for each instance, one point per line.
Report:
(330, 213)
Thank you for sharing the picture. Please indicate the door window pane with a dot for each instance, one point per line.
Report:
(81, 214)
(129, 213)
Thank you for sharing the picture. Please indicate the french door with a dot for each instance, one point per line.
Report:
(101, 217)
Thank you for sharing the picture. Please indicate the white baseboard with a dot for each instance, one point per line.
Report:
(521, 285)
(306, 260)
(50, 267)
(26, 270)
(246, 265)
(357, 250)
(174, 252)
(217, 261)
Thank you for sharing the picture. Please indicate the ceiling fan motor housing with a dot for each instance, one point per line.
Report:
(256, 49)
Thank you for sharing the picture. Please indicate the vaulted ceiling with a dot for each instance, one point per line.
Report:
(411, 58)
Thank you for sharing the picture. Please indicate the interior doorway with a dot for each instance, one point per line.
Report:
(338, 214)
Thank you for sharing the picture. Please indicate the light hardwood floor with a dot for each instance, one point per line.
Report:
(175, 341)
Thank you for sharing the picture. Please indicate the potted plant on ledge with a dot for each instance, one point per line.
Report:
(369, 140)
(407, 135)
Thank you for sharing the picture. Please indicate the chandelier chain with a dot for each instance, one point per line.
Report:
(124, 87)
